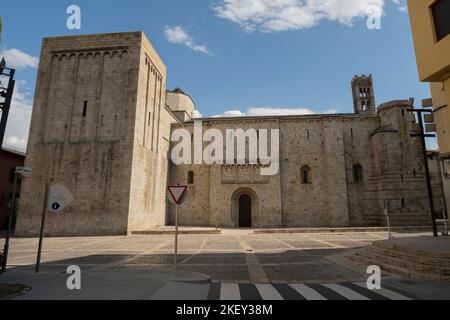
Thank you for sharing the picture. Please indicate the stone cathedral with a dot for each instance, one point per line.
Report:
(102, 122)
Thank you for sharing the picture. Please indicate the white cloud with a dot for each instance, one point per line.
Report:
(16, 143)
(269, 111)
(178, 35)
(283, 15)
(402, 5)
(17, 59)
(18, 127)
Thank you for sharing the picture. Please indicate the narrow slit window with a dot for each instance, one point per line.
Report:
(85, 106)
(358, 176)
(306, 175)
(191, 177)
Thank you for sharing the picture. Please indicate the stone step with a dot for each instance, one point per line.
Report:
(412, 252)
(409, 256)
(168, 231)
(384, 260)
(399, 270)
(341, 230)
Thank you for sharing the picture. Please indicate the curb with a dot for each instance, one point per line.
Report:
(172, 232)
(192, 277)
(340, 230)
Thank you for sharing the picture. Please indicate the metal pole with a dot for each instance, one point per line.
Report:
(41, 235)
(6, 106)
(176, 240)
(428, 177)
(10, 220)
(445, 233)
(387, 218)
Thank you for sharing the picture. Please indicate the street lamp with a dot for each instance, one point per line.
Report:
(17, 174)
(6, 95)
(2, 66)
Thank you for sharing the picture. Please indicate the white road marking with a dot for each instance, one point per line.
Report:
(230, 291)
(346, 292)
(384, 292)
(307, 292)
(268, 292)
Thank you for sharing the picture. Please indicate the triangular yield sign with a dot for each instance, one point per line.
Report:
(177, 193)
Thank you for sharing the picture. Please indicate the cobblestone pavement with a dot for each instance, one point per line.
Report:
(235, 256)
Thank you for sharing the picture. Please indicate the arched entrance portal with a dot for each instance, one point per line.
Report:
(245, 211)
(244, 208)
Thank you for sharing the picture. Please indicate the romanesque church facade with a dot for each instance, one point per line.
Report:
(102, 123)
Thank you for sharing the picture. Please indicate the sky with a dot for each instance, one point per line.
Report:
(234, 57)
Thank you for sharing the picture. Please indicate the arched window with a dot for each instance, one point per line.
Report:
(364, 105)
(191, 177)
(305, 175)
(358, 173)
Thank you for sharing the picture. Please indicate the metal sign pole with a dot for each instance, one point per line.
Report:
(176, 240)
(445, 233)
(41, 235)
(177, 195)
(10, 221)
(386, 212)
(7, 105)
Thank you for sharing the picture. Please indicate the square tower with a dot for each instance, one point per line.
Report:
(97, 124)
(363, 94)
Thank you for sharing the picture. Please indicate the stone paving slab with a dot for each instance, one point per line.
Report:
(236, 255)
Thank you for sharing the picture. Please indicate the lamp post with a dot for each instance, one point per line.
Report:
(17, 174)
(6, 94)
(422, 135)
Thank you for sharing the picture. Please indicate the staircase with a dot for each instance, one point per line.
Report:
(406, 261)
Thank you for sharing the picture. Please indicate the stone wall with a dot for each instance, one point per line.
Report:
(86, 133)
(330, 146)
(151, 144)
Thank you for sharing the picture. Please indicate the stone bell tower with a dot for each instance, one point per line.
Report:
(363, 94)
(100, 126)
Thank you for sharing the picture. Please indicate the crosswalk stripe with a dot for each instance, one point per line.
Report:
(371, 294)
(346, 292)
(385, 292)
(230, 291)
(287, 292)
(307, 292)
(326, 292)
(332, 291)
(249, 292)
(268, 292)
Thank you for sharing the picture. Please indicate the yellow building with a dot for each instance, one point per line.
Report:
(430, 22)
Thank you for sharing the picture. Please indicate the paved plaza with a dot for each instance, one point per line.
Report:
(238, 262)
(234, 255)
